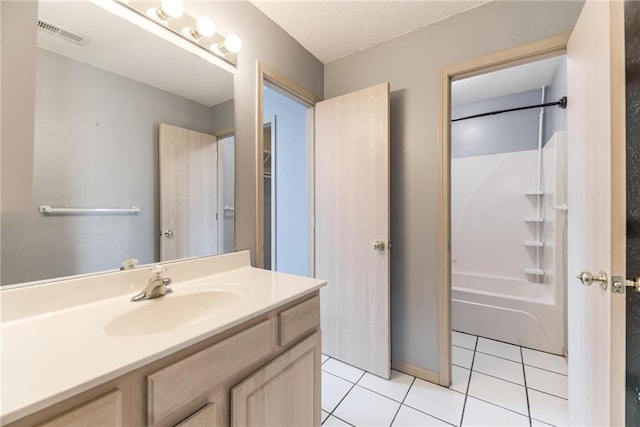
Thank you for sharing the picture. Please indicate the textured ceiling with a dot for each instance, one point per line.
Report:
(517, 79)
(333, 29)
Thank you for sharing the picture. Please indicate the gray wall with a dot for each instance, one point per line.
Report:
(262, 40)
(95, 145)
(501, 133)
(412, 64)
(632, 40)
(554, 117)
(222, 116)
(18, 94)
(289, 142)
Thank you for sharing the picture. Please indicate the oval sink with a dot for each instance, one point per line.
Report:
(171, 311)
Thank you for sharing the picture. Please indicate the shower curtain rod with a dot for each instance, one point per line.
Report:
(562, 103)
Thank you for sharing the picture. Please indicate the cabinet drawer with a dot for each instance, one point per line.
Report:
(102, 411)
(296, 321)
(180, 383)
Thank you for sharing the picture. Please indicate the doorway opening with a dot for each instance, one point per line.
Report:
(503, 232)
(508, 205)
(508, 237)
(285, 195)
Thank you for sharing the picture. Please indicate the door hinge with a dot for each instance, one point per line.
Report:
(619, 283)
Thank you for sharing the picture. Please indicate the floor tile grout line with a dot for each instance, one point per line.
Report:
(499, 378)
(380, 394)
(361, 376)
(346, 422)
(465, 348)
(341, 400)
(403, 399)
(499, 406)
(516, 345)
(526, 389)
(466, 394)
(499, 357)
(547, 393)
(460, 366)
(546, 370)
(338, 376)
(426, 413)
(511, 360)
(543, 422)
(348, 364)
(345, 379)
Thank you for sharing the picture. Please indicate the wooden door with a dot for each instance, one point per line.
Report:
(596, 216)
(286, 392)
(188, 193)
(352, 213)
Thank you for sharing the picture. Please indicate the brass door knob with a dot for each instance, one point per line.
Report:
(587, 278)
(379, 245)
(168, 233)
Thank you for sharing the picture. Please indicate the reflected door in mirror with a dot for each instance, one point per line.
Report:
(188, 193)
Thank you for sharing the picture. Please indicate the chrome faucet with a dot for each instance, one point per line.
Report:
(157, 286)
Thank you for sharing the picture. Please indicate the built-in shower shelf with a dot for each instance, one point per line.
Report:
(533, 219)
(534, 193)
(532, 270)
(533, 244)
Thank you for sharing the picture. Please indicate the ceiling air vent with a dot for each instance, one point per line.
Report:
(63, 33)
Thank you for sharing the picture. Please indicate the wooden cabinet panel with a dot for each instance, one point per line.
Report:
(194, 387)
(286, 392)
(296, 321)
(180, 383)
(102, 411)
(205, 417)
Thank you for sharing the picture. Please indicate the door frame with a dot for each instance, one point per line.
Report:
(222, 134)
(271, 122)
(291, 89)
(494, 62)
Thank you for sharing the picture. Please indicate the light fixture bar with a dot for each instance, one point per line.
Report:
(170, 30)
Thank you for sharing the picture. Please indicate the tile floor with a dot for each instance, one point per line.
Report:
(493, 384)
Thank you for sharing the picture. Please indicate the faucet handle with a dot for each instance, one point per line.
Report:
(157, 269)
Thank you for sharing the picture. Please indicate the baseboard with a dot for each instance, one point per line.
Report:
(417, 372)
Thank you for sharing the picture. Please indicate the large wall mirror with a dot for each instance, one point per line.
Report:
(125, 120)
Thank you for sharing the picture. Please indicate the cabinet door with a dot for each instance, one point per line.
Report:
(204, 417)
(286, 392)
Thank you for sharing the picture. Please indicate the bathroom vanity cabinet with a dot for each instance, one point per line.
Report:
(264, 371)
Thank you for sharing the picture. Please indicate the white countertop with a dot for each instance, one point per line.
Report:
(54, 351)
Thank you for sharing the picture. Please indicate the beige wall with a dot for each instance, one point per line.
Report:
(411, 64)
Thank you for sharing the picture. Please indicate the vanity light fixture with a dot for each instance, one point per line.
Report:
(231, 44)
(204, 28)
(200, 34)
(169, 9)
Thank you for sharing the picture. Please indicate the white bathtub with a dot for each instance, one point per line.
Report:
(492, 295)
(531, 319)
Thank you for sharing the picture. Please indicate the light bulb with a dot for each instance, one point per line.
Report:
(232, 43)
(171, 8)
(204, 27)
